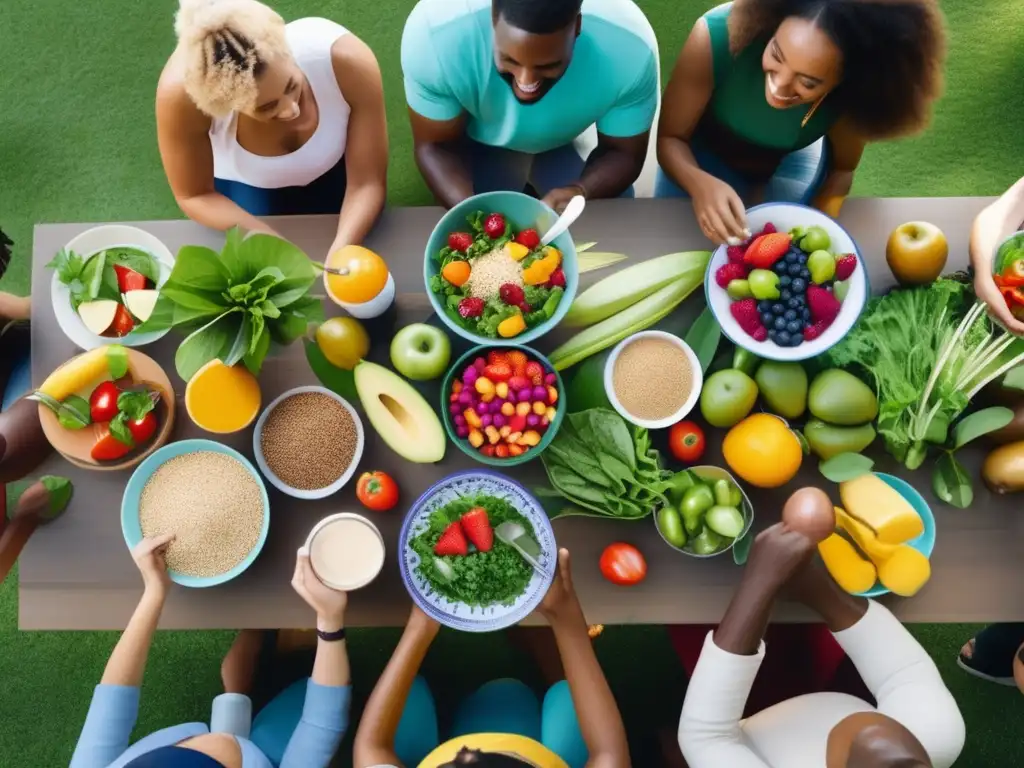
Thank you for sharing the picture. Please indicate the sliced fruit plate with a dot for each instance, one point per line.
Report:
(105, 284)
(107, 409)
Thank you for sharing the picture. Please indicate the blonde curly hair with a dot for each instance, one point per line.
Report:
(226, 46)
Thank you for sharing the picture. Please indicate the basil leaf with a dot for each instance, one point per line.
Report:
(119, 429)
(845, 466)
(703, 338)
(60, 490)
(200, 268)
(254, 360)
(980, 423)
(135, 405)
(951, 482)
(74, 413)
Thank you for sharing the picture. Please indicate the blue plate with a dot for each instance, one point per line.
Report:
(924, 543)
(458, 615)
(523, 212)
(133, 492)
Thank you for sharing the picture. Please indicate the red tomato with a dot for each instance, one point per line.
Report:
(623, 564)
(108, 448)
(129, 279)
(686, 442)
(377, 491)
(103, 402)
(123, 323)
(143, 429)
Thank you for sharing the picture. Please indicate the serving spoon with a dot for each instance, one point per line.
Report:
(515, 536)
(567, 219)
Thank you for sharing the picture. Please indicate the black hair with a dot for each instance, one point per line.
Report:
(231, 48)
(5, 252)
(893, 52)
(538, 17)
(474, 757)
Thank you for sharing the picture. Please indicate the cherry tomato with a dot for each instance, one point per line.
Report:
(143, 429)
(377, 491)
(686, 442)
(623, 564)
(123, 323)
(108, 448)
(103, 402)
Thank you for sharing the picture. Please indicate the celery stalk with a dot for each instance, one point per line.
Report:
(614, 329)
(588, 262)
(632, 284)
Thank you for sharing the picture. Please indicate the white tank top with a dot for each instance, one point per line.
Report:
(310, 41)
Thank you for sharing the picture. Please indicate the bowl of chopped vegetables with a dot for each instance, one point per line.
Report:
(457, 569)
(487, 275)
(1008, 272)
(502, 404)
(708, 514)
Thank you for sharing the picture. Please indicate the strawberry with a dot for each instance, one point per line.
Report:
(812, 332)
(528, 238)
(557, 279)
(769, 229)
(498, 372)
(518, 360)
(129, 279)
(511, 293)
(767, 249)
(477, 528)
(535, 372)
(494, 357)
(460, 241)
(123, 322)
(471, 307)
(494, 226)
(729, 272)
(823, 305)
(452, 542)
(735, 253)
(760, 334)
(745, 313)
(846, 266)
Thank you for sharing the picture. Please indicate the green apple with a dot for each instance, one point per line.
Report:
(727, 397)
(764, 284)
(421, 352)
(822, 266)
(815, 239)
(738, 289)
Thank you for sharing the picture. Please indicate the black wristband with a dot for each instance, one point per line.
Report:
(331, 637)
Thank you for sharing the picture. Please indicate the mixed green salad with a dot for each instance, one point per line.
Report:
(496, 282)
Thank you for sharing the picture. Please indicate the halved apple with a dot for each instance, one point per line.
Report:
(98, 315)
(140, 303)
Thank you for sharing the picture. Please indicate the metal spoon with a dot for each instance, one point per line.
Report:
(567, 219)
(515, 536)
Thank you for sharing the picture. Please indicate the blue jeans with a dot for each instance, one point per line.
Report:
(500, 706)
(18, 383)
(796, 180)
(498, 169)
(323, 195)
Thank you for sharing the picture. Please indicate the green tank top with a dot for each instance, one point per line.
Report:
(739, 124)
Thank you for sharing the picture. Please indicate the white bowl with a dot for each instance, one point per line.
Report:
(691, 401)
(785, 216)
(85, 245)
(333, 519)
(298, 493)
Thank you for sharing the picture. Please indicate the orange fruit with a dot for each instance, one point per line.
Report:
(763, 450)
(367, 274)
(221, 398)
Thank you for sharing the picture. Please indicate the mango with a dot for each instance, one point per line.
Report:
(827, 440)
(838, 397)
(869, 499)
(783, 387)
(905, 572)
(851, 571)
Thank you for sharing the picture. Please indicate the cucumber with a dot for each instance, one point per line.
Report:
(725, 521)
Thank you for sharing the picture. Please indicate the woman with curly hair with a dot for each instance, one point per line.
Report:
(256, 117)
(775, 100)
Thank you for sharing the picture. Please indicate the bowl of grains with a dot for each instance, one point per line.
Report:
(653, 379)
(211, 498)
(308, 442)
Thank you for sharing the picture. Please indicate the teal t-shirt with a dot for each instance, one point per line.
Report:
(612, 80)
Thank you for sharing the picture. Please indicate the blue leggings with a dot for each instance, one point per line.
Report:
(796, 180)
(500, 706)
(323, 195)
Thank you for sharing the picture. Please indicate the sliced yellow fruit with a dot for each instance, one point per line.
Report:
(78, 374)
(517, 251)
(872, 501)
(98, 315)
(221, 398)
(365, 274)
(141, 303)
(851, 571)
(905, 572)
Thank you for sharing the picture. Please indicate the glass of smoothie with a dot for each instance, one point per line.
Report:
(346, 551)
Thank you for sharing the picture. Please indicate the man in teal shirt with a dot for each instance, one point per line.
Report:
(498, 90)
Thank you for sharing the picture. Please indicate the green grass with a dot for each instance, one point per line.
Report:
(77, 143)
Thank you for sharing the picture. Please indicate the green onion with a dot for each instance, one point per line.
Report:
(628, 286)
(592, 260)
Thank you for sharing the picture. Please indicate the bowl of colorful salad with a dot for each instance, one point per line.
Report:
(1008, 273)
(489, 278)
(453, 560)
(105, 285)
(794, 289)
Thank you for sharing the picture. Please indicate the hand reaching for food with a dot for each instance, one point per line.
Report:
(720, 212)
(328, 603)
(558, 198)
(150, 558)
(561, 599)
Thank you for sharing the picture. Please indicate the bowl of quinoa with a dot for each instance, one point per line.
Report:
(211, 498)
(308, 442)
(498, 287)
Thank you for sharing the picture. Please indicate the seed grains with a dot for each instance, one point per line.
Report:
(493, 270)
(309, 440)
(652, 378)
(211, 503)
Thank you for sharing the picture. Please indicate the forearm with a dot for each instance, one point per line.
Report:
(128, 661)
(216, 211)
(331, 665)
(742, 628)
(362, 206)
(994, 224)
(598, 714)
(445, 172)
(609, 172)
(677, 160)
(838, 609)
(833, 192)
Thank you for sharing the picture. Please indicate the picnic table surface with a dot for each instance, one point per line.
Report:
(76, 573)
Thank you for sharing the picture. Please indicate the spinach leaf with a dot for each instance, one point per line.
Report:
(212, 341)
(135, 405)
(200, 268)
(92, 276)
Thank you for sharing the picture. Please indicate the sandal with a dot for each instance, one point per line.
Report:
(998, 670)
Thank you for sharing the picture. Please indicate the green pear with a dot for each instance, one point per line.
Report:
(783, 387)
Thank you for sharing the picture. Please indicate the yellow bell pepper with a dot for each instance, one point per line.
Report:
(517, 251)
(541, 270)
(511, 326)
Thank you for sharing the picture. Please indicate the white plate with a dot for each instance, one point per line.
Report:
(85, 245)
(785, 216)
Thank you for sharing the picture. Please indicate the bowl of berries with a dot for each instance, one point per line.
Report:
(794, 289)
(487, 274)
(502, 404)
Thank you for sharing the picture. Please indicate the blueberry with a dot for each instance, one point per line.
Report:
(798, 285)
(767, 318)
(802, 259)
(780, 323)
(773, 335)
(796, 339)
(778, 308)
(795, 303)
(804, 273)
(780, 267)
(785, 294)
(805, 313)
(790, 314)
(764, 306)
(794, 270)
(795, 326)
(783, 339)
(784, 281)
(791, 258)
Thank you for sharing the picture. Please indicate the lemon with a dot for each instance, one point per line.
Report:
(763, 450)
(344, 341)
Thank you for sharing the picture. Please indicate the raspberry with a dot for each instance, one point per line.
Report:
(729, 272)
(735, 253)
(471, 307)
(494, 226)
(557, 279)
(745, 314)
(823, 305)
(512, 294)
(761, 334)
(769, 229)
(846, 266)
(812, 332)
(460, 241)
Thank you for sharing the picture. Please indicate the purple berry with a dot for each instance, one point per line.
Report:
(480, 364)
(512, 396)
(483, 408)
(486, 420)
(455, 409)
(466, 397)
(540, 394)
(497, 404)
(524, 394)
(469, 376)
(551, 379)
(498, 420)
(532, 420)
(460, 420)
(462, 431)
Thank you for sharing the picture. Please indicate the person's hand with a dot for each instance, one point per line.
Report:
(561, 599)
(720, 212)
(558, 198)
(777, 554)
(328, 603)
(986, 289)
(150, 558)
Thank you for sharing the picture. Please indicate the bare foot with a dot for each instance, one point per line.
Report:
(238, 670)
(968, 650)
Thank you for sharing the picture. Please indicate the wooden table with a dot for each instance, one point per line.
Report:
(77, 574)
